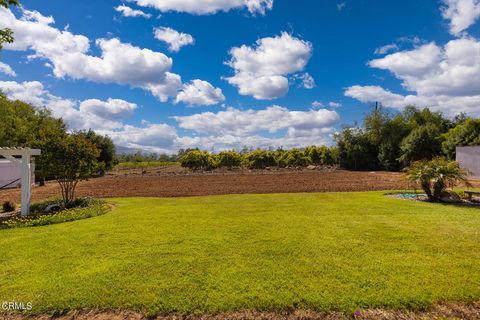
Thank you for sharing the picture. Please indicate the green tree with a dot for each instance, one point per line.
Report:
(229, 159)
(389, 150)
(105, 145)
(22, 125)
(464, 134)
(196, 159)
(296, 158)
(6, 35)
(321, 155)
(435, 176)
(356, 150)
(423, 143)
(260, 159)
(69, 159)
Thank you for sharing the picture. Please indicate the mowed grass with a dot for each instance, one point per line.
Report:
(329, 251)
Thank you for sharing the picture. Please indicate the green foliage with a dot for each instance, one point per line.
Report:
(320, 251)
(7, 3)
(69, 159)
(435, 176)
(392, 141)
(198, 160)
(423, 143)
(6, 35)
(322, 155)
(22, 125)
(389, 150)
(260, 159)
(295, 158)
(65, 215)
(467, 133)
(82, 202)
(105, 145)
(229, 159)
(356, 150)
(8, 206)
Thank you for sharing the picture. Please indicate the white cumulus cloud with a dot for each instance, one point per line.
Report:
(175, 40)
(262, 71)
(461, 13)
(246, 122)
(445, 78)
(116, 109)
(7, 70)
(200, 92)
(126, 11)
(68, 55)
(202, 7)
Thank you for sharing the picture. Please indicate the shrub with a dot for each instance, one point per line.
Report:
(322, 155)
(66, 215)
(435, 176)
(197, 159)
(229, 159)
(9, 206)
(296, 158)
(260, 159)
(279, 157)
(40, 207)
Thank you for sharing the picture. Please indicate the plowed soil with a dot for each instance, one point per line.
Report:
(218, 184)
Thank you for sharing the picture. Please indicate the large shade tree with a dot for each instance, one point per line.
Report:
(69, 159)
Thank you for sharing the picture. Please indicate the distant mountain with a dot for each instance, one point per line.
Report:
(126, 150)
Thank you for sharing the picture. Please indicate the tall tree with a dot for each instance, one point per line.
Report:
(465, 134)
(105, 145)
(70, 159)
(6, 35)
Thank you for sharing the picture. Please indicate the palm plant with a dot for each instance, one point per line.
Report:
(435, 176)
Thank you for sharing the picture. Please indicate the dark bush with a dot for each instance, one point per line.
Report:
(9, 206)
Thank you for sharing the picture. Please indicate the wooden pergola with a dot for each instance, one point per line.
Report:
(26, 155)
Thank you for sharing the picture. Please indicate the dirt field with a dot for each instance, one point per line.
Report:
(179, 183)
(133, 184)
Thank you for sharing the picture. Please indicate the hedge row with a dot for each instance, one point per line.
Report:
(260, 159)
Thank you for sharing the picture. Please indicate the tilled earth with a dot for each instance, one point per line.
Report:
(136, 185)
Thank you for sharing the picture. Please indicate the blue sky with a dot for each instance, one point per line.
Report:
(219, 74)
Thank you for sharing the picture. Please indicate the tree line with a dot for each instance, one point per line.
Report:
(393, 141)
(260, 159)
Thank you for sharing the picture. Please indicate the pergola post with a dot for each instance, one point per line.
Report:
(26, 172)
(26, 184)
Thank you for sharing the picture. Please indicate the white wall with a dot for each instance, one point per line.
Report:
(9, 172)
(469, 158)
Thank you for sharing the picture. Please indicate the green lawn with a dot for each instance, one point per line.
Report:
(329, 251)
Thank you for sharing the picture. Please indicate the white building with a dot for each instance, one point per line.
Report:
(10, 174)
(469, 159)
